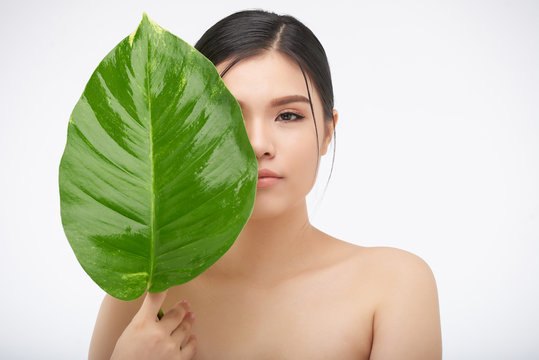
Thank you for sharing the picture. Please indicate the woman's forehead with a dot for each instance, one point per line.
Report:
(267, 60)
(270, 73)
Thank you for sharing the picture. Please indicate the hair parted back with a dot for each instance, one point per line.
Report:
(251, 32)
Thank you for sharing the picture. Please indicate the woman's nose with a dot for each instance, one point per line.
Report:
(260, 136)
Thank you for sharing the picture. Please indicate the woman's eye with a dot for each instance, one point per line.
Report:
(290, 116)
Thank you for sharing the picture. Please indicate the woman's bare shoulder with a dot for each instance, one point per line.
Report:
(406, 311)
(113, 317)
(384, 270)
(393, 268)
(389, 260)
(382, 261)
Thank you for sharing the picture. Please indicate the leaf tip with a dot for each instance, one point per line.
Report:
(145, 20)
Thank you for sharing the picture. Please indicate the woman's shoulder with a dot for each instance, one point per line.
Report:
(401, 289)
(393, 260)
(380, 260)
(406, 314)
(392, 267)
(113, 317)
(385, 271)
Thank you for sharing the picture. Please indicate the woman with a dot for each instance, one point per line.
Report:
(284, 290)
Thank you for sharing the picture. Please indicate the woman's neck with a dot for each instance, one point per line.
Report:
(270, 249)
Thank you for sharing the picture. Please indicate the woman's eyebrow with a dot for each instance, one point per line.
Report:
(282, 100)
(289, 99)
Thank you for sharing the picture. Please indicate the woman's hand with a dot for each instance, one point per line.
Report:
(147, 337)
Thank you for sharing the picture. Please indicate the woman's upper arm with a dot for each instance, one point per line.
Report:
(407, 320)
(113, 317)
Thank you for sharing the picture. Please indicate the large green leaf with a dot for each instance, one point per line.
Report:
(158, 177)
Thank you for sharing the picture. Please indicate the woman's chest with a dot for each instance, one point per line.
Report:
(325, 318)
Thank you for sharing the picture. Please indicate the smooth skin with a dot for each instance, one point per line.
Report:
(284, 290)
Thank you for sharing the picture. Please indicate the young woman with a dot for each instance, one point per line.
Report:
(284, 290)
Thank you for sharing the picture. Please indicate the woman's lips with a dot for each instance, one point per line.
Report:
(266, 178)
(266, 181)
(267, 173)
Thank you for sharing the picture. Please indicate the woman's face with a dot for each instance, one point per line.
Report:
(271, 91)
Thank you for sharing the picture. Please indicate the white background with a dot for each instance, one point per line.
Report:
(437, 153)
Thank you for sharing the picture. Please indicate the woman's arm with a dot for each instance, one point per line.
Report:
(112, 319)
(407, 320)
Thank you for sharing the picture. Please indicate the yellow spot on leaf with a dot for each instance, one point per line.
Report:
(133, 275)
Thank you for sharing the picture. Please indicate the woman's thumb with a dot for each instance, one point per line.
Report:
(151, 305)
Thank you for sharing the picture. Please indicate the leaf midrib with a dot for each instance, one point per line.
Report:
(152, 221)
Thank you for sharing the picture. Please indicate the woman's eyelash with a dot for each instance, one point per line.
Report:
(298, 116)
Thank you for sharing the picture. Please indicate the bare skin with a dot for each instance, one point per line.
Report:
(356, 303)
(286, 290)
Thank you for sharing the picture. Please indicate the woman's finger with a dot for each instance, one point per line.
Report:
(151, 305)
(174, 316)
(181, 332)
(189, 349)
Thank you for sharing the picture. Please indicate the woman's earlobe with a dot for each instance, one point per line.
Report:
(331, 130)
(335, 118)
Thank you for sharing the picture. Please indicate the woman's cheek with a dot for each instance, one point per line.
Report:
(303, 164)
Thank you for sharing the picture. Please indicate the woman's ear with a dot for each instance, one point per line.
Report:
(330, 128)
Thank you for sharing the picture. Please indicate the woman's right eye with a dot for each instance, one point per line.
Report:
(288, 116)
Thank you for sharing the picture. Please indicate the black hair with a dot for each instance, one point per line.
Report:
(251, 32)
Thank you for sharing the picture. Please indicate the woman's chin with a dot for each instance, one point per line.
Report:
(266, 209)
(275, 206)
